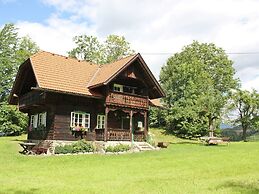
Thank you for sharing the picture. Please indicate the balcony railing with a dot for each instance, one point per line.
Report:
(120, 99)
(31, 98)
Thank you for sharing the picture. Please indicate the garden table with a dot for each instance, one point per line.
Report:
(27, 147)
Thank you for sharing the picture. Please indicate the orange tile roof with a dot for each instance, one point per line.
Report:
(60, 73)
(105, 72)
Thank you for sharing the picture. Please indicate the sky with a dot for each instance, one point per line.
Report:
(155, 28)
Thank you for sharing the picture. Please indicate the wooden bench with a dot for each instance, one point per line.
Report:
(41, 148)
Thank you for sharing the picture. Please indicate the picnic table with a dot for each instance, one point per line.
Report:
(27, 147)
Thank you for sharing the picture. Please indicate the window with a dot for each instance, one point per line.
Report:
(100, 121)
(34, 121)
(80, 119)
(38, 120)
(42, 119)
(118, 88)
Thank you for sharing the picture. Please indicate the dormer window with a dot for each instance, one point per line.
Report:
(118, 88)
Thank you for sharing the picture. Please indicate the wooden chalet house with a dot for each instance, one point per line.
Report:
(69, 99)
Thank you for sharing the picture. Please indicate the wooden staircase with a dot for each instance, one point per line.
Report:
(144, 146)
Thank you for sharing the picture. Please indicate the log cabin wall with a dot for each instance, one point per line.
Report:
(47, 133)
(64, 105)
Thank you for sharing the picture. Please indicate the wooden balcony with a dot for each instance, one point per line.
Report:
(127, 100)
(119, 135)
(31, 98)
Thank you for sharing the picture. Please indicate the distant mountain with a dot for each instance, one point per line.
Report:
(225, 126)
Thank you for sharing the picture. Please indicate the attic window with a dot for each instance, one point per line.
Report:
(118, 88)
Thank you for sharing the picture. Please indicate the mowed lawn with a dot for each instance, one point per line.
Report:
(181, 168)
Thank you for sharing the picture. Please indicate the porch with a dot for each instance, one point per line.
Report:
(119, 135)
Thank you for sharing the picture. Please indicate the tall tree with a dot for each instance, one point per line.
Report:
(90, 49)
(8, 48)
(13, 51)
(247, 106)
(116, 47)
(197, 82)
(87, 48)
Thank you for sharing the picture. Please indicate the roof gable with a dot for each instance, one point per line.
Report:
(67, 75)
(109, 72)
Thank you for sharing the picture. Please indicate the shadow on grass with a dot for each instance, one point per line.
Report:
(242, 187)
(19, 140)
(20, 191)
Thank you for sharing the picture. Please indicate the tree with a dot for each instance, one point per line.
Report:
(9, 45)
(247, 106)
(116, 47)
(197, 82)
(13, 51)
(156, 117)
(90, 49)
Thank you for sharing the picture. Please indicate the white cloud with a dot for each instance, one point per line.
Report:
(157, 27)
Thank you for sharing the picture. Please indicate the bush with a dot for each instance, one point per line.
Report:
(80, 146)
(150, 139)
(118, 148)
(12, 121)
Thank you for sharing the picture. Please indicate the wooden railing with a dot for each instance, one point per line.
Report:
(30, 99)
(139, 136)
(118, 135)
(114, 98)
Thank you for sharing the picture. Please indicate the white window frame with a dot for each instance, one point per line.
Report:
(34, 121)
(117, 88)
(85, 119)
(100, 121)
(42, 119)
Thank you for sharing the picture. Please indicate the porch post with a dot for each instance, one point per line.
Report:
(131, 114)
(106, 124)
(145, 124)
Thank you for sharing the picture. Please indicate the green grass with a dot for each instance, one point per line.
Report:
(181, 168)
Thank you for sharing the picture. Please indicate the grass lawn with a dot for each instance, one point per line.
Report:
(184, 167)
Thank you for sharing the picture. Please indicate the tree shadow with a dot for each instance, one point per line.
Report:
(20, 191)
(242, 187)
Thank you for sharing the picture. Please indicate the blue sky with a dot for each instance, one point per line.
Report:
(28, 10)
(156, 29)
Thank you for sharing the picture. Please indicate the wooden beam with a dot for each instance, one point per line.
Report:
(145, 124)
(131, 114)
(106, 124)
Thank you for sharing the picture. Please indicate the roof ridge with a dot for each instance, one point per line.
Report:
(95, 74)
(132, 55)
(63, 56)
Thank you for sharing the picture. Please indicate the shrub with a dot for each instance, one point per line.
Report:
(12, 121)
(118, 148)
(80, 146)
(150, 139)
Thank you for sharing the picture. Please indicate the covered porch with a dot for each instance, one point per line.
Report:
(123, 125)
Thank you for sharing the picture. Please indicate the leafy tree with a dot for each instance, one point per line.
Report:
(157, 117)
(90, 49)
(26, 48)
(8, 47)
(13, 51)
(247, 106)
(116, 47)
(197, 82)
(12, 121)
